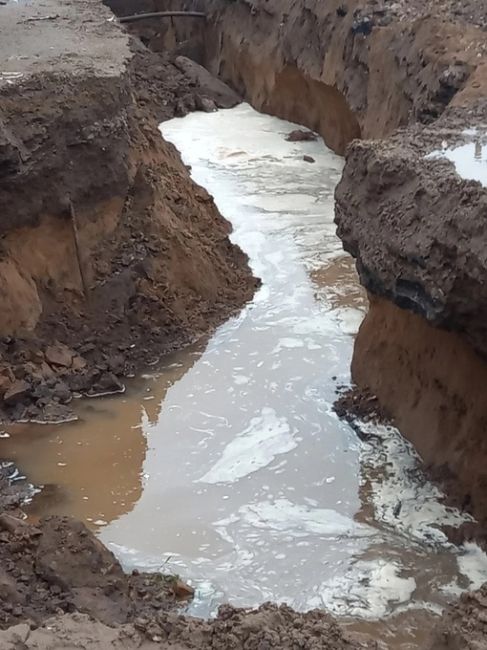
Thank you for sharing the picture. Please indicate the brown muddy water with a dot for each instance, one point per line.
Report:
(226, 464)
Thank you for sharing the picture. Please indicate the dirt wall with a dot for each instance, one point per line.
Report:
(110, 255)
(346, 69)
(433, 383)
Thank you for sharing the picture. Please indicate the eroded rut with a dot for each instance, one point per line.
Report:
(227, 464)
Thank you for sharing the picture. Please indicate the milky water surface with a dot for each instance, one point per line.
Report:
(227, 463)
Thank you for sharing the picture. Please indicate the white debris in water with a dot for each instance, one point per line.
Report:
(367, 590)
(300, 520)
(473, 565)
(289, 343)
(469, 159)
(266, 437)
(240, 380)
(402, 497)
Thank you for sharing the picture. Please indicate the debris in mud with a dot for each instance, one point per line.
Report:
(300, 135)
(355, 405)
(268, 627)
(309, 159)
(463, 625)
(59, 566)
(13, 490)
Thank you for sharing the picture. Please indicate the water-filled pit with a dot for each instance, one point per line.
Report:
(227, 463)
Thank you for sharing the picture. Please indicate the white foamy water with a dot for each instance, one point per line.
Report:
(236, 473)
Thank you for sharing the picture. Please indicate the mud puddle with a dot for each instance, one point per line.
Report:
(227, 463)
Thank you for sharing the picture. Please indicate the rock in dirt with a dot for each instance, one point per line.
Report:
(59, 355)
(182, 591)
(107, 384)
(309, 159)
(300, 135)
(5, 384)
(16, 392)
(212, 88)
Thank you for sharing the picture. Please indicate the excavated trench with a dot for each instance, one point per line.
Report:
(418, 350)
(412, 220)
(410, 215)
(227, 465)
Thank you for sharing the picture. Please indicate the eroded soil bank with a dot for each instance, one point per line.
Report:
(111, 256)
(410, 207)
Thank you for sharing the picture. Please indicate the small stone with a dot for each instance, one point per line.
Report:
(309, 159)
(299, 135)
(86, 347)
(5, 384)
(205, 104)
(182, 591)
(116, 363)
(59, 355)
(79, 363)
(61, 393)
(46, 371)
(108, 383)
(16, 393)
(6, 371)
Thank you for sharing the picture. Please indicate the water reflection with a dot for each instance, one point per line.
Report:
(93, 468)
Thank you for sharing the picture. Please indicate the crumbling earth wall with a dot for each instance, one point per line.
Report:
(110, 255)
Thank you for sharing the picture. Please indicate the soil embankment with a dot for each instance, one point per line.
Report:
(110, 254)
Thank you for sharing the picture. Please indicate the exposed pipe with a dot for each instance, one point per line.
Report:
(162, 14)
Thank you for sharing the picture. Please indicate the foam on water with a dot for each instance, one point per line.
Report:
(266, 437)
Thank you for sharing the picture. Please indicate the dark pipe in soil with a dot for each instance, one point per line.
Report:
(162, 14)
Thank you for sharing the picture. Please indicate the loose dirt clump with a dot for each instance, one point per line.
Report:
(267, 627)
(355, 403)
(300, 135)
(463, 625)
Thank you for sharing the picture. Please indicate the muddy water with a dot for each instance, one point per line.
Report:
(227, 464)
